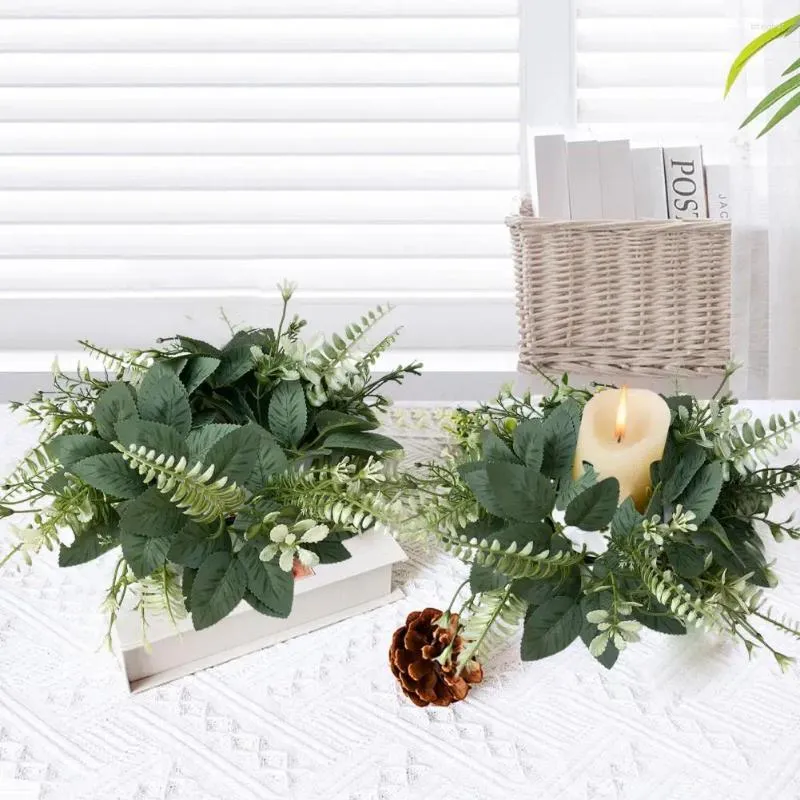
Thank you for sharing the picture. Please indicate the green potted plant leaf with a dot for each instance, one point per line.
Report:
(786, 93)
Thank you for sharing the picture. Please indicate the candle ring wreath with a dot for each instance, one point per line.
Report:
(571, 549)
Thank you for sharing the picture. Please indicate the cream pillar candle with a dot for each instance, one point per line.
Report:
(622, 432)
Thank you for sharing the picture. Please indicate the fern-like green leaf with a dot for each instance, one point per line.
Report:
(747, 445)
(194, 490)
(34, 468)
(510, 560)
(494, 619)
(369, 359)
(327, 358)
(132, 363)
(161, 594)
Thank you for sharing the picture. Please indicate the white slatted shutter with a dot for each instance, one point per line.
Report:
(162, 158)
(654, 70)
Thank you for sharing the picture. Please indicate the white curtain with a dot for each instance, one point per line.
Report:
(765, 198)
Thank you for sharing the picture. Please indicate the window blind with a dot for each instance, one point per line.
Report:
(654, 70)
(160, 158)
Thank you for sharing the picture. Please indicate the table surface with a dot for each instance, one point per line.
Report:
(321, 717)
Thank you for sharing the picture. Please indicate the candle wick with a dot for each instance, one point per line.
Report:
(619, 439)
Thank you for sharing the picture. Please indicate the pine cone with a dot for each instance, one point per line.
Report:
(415, 646)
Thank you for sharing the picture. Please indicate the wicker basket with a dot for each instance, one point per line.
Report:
(650, 298)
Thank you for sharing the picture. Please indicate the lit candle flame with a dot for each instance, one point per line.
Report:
(622, 414)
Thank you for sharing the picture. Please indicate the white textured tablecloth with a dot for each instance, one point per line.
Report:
(321, 717)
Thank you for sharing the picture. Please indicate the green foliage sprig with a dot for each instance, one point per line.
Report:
(210, 469)
(504, 501)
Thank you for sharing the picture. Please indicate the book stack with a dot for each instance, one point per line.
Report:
(593, 180)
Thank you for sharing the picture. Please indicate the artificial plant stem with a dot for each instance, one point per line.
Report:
(544, 375)
(780, 625)
(10, 555)
(475, 646)
(457, 593)
(725, 378)
(280, 325)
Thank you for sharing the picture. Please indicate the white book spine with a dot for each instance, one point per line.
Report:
(686, 190)
(552, 182)
(583, 168)
(718, 191)
(616, 179)
(649, 187)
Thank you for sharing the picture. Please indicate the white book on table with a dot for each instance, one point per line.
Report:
(686, 186)
(650, 191)
(616, 179)
(583, 170)
(551, 179)
(331, 593)
(718, 191)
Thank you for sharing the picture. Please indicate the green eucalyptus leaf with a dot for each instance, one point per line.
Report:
(288, 413)
(235, 454)
(687, 561)
(90, 543)
(187, 581)
(626, 519)
(495, 449)
(201, 440)
(521, 493)
(356, 440)
(114, 405)
(703, 491)
(327, 421)
(247, 338)
(560, 430)
(691, 459)
(270, 460)
(537, 591)
(110, 474)
(329, 551)
(163, 398)
(152, 514)
(68, 449)
(197, 347)
(194, 543)
(485, 579)
(173, 363)
(655, 505)
(234, 364)
(272, 587)
(712, 527)
(550, 628)
(475, 476)
(569, 488)
(144, 554)
(198, 369)
(529, 441)
(152, 435)
(218, 588)
(659, 620)
(678, 401)
(594, 508)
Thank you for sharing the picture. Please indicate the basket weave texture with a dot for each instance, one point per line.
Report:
(650, 298)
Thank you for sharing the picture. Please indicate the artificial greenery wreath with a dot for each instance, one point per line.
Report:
(504, 500)
(212, 470)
